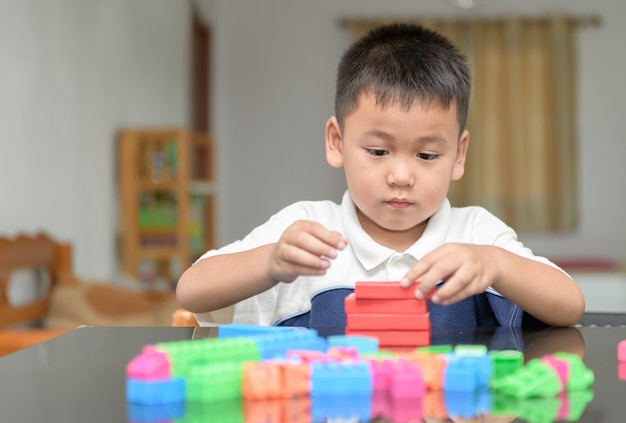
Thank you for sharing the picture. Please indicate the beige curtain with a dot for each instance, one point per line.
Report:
(522, 161)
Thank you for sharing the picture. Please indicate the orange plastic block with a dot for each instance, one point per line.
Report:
(433, 367)
(414, 306)
(263, 411)
(297, 410)
(434, 405)
(396, 338)
(296, 378)
(388, 321)
(307, 356)
(343, 353)
(261, 381)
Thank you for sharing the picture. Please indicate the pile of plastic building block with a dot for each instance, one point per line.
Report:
(389, 312)
(277, 374)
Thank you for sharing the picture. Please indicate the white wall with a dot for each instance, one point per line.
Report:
(74, 71)
(276, 61)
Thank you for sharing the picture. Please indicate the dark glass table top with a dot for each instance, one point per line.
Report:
(80, 376)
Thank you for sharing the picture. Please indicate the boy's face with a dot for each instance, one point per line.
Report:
(398, 165)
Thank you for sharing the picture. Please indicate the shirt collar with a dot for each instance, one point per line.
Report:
(371, 254)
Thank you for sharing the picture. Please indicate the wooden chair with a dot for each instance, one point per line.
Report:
(43, 263)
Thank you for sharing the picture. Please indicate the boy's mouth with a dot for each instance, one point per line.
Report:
(399, 203)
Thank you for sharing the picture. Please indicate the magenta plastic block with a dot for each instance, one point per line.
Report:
(621, 351)
(151, 364)
(406, 380)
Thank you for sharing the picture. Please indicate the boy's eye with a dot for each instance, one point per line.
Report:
(427, 156)
(376, 152)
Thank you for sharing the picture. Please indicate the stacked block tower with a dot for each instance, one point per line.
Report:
(389, 312)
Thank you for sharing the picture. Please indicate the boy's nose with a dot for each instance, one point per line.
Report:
(401, 174)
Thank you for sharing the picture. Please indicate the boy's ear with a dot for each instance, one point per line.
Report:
(334, 147)
(461, 154)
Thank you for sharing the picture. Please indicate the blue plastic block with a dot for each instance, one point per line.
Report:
(341, 378)
(155, 413)
(155, 392)
(363, 344)
(483, 366)
(483, 400)
(325, 408)
(459, 375)
(275, 345)
(236, 330)
(460, 403)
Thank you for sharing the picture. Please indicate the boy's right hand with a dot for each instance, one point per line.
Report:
(305, 248)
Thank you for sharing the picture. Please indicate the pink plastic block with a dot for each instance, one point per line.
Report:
(150, 365)
(621, 370)
(563, 413)
(308, 356)
(407, 409)
(621, 351)
(561, 367)
(381, 404)
(343, 353)
(381, 374)
(406, 380)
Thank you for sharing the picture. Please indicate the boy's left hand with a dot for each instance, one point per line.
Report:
(466, 269)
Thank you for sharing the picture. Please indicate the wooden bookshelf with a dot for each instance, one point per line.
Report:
(167, 202)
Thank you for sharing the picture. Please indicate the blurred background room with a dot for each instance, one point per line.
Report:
(257, 78)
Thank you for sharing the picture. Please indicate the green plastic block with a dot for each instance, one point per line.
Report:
(503, 405)
(184, 356)
(473, 350)
(227, 411)
(506, 362)
(214, 382)
(380, 355)
(577, 402)
(536, 379)
(539, 410)
(435, 349)
(580, 377)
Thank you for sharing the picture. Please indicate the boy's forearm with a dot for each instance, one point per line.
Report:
(541, 290)
(220, 281)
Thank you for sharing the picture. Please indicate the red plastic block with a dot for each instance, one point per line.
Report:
(414, 306)
(383, 291)
(396, 338)
(388, 321)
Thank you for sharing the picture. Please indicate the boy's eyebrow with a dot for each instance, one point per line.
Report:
(377, 133)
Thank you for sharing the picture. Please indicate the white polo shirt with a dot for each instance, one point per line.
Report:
(363, 259)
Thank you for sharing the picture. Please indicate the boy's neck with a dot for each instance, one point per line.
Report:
(399, 241)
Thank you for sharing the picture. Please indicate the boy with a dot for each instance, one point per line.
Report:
(398, 132)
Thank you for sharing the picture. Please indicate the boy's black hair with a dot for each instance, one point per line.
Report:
(403, 63)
